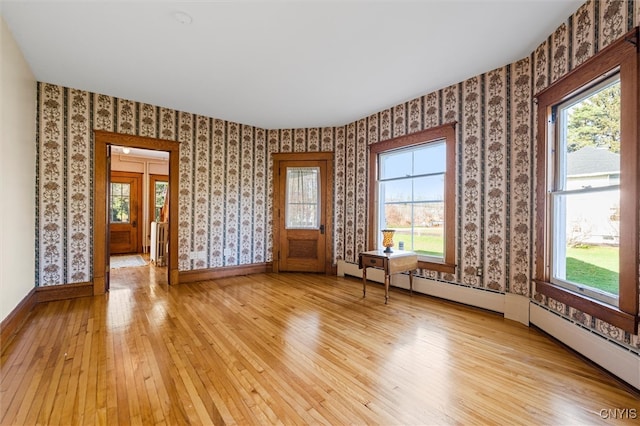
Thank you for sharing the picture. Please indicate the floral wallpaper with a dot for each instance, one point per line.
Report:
(225, 192)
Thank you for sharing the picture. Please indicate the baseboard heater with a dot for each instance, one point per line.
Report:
(480, 298)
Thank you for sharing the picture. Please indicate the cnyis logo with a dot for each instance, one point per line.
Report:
(619, 413)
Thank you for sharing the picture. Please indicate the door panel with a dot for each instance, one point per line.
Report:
(302, 240)
(124, 212)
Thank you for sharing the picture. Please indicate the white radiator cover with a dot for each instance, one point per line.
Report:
(480, 298)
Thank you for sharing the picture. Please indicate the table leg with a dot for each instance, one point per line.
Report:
(387, 279)
(411, 282)
(364, 281)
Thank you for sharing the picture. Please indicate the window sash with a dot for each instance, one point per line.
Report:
(577, 219)
(302, 206)
(120, 208)
(623, 56)
(444, 137)
(421, 229)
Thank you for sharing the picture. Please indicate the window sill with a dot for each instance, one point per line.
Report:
(596, 308)
(436, 266)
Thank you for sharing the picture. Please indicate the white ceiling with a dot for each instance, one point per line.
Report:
(276, 63)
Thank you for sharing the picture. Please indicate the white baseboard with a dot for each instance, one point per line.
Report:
(480, 298)
(516, 308)
(619, 361)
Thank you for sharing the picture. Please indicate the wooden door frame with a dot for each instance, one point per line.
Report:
(328, 205)
(102, 140)
(139, 176)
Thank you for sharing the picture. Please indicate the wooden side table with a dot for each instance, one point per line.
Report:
(392, 263)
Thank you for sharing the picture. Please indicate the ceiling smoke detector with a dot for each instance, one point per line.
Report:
(182, 17)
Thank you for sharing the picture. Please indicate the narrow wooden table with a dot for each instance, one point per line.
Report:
(392, 263)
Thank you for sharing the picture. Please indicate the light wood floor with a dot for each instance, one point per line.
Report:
(290, 349)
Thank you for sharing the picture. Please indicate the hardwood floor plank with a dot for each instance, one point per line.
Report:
(290, 349)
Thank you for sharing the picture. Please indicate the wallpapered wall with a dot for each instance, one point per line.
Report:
(225, 188)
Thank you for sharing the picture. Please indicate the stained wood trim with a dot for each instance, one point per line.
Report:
(139, 203)
(224, 272)
(12, 323)
(435, 266)
(589, 306)
(52, 293)
(330, 268)
(102, 140)
(622, 55)
(445, 131)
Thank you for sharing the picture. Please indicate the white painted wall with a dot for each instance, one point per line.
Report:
(17, 174)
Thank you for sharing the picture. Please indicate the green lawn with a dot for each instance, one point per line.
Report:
(596, 266)
(427, 241)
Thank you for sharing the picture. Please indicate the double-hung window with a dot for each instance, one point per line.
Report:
(585, 194)
(413, 179)
(588, 179)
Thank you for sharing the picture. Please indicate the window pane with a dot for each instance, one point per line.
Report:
(590, 139)
(412, 199)
(120, 203)
(585, 221)
(303, 200)
(430, 188)
(396, 191)
(419, 226)
(591, 168)
(116, 189)
(586, 239)
(424, 159)
(395, 164)
(430, 159)
(160, 194)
